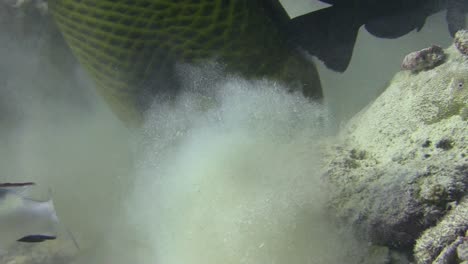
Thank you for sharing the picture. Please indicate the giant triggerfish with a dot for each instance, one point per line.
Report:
(130, 47)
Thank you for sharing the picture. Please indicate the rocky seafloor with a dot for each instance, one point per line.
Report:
(399, 173)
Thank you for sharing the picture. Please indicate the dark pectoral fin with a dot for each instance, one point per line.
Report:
(331, 2)
(16, 184)
(395, 25)
(36, 238)
(456, 15)
(328, 34)
(396, 19)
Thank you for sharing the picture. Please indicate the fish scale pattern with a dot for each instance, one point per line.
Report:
(122, 43)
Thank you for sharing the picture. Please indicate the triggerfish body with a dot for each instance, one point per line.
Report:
(23, 219)
(130, 47)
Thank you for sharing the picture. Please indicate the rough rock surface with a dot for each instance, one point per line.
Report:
(462, 249)
(441, 243)
(461, 41)
(402, 163)
(424, 59)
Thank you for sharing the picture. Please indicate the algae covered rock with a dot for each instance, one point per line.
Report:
(462, 249)
(424, 59)
(441, 243)
(461, 41)
(402, 163)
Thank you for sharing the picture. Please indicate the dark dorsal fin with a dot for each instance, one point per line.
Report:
(323, 33)
(329, 34)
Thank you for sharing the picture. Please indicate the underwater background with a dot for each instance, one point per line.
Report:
(229, 172)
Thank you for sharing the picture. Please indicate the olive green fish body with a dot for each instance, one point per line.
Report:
(129, 47)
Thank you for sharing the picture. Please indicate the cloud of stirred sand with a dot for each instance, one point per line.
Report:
(228, 173)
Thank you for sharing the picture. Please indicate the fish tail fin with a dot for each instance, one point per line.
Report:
(329, 34)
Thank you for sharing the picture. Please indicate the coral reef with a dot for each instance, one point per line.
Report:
(401, 163)
(424, 59)
(461, 41)
(462, 249)
(439, 244)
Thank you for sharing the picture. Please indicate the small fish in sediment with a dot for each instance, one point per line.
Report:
(23, 219)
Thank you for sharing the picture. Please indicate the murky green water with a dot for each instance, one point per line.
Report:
(228, 172)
